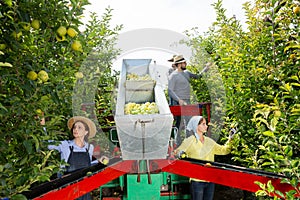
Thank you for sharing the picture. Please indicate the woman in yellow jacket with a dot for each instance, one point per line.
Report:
(198, 146)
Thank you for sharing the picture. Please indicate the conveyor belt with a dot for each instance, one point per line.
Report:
(76, 184)
(54, 187)
(236, 168)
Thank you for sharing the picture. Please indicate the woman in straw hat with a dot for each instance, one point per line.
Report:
(198, 146)
(78, 152)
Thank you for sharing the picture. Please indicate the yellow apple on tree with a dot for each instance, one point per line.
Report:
(32, 75)
(71, 32)
(39, 112)
(277, 113)
(296, 10)
(43, 76)
(61, 31)
(76, 46)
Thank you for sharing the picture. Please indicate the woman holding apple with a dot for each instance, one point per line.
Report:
(78, 152)
(198, 146)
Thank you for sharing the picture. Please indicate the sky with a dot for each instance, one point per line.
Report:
(167, 18)
(176, 15)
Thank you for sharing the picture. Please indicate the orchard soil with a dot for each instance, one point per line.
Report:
(228, 193)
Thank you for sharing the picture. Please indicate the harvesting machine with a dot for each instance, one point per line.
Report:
(147, 169)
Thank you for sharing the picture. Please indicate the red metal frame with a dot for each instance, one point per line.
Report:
(237, 177)
(191, 110)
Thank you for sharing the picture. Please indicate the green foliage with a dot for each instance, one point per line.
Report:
(29, 42)
(269, 190)
(259, 66)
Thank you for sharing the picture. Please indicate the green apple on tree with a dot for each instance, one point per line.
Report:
(26, 26)
(2, 46)
(35, 24)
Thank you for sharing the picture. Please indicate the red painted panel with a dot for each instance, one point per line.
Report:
(191, 110)
(236, 179)
(188, 110)
(89, 183)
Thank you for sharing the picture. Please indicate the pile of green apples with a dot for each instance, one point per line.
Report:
(141, 109)
(135, 77)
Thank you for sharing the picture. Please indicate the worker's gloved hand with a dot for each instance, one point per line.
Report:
(207, 66)
(182, 102)
(104, 160)
(181, 154)
(232, 132)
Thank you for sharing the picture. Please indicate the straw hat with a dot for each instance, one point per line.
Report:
(179, 59)
(172, 59)
(90, 124)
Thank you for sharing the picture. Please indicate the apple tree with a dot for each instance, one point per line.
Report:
(43, 45)
(259, 65)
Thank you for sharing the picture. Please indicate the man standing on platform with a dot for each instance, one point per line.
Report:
(179, 90)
